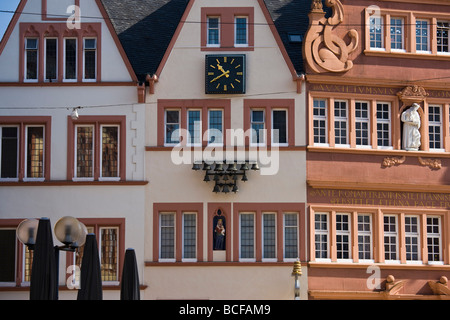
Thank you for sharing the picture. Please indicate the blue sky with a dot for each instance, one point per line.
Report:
(5, 18)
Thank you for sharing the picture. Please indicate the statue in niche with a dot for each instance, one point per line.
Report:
(219, 225)
(411, 126)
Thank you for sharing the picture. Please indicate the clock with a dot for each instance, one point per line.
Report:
(225, 74)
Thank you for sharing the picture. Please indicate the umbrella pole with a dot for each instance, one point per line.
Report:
(57, 272)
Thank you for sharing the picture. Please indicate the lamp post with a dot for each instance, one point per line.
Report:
(297, 272)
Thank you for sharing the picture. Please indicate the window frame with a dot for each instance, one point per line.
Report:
(209, 29)
(442, 21)
(281, 144)
(236, 35)
(263, 237)
(26, 178)
(411, 234)
(432, 125)
(343, 121)
(322, 232)
(46, 58)
(252, 237)
(285, 226)
(381, 33)
(363, 120)
(365, 233)
(402, 34)
(384, 121)
(427, 37)
(85, 50)
(36, 49)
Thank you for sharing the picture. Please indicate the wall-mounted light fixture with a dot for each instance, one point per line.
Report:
(225, 175)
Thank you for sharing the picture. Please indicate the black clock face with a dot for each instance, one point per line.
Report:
(225, 74)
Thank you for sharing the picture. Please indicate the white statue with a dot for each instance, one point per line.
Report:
(411, 125)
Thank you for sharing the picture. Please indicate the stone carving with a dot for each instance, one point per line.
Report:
(412, 94)
(411, 126)
(393, 161)
(440, 287)
(323, 50)
(392, 286)
(434, 164)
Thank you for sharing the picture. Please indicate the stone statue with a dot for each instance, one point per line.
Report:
(411, 125)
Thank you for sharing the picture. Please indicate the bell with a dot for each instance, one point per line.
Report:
(219, 167)
(196, 167)
(216, 177)
(226, 189)
(206, 179)
(255, 166)
(234, 177)
(244, 166)
(232, 167)
(206, 166)
(235, 188)
(216, 188)
(244, 178)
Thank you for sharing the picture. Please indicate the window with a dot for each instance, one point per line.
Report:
(31, 59)
(442, 36)
(290, 236)
(376, 32)
(321, 235)
(269, 236)
(412, 239)
(195, 127)
(258, 126)
(189, 236)
(35, 152)
(213, 32)
(51, 59)
(435, 127)
(109, 253)
(247, 236)
(241, 37)
(110, 151)
(422, 39)
(8, 256)
(340, 122)
(172, 133)
(362, 123)
(90, 58)
(84, 151)
(383, 125)
(9, 152)
(343, 246)
(167, 236)
(390, 237)
(279, 127)
(397, 34)
(70, 59)
(364, 236)
(434, 239)
(320, 121)
(215, 126)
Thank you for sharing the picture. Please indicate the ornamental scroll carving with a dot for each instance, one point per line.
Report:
(323, 50)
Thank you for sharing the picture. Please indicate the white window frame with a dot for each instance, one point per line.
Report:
(284, 235)
(323, 232)
(208, 44)
(18, 151)
(100, 145)
(45, 59)
(174, 236)
(84, 58)
(363, 120)
(434, 235)
(25, 178)
(262, 132)
(197, 128)
(75, 178)
(263, 216)
(273, 142)
(374, 21)
(172, 123)
(428, 37)
(448, 37)
(435, 124)
(184, 214)
(384, 121)
(252, 259)
(410, 234)
(25, 79)
(341, 120)
(76, 60)
(246, 31)
(321, 118)
(210, 130)
(365, 233)
(392, 234)
(344, 233)
(396, 28)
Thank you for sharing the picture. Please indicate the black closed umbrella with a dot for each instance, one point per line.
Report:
(44, 273)
(91, 277)
(129, 288)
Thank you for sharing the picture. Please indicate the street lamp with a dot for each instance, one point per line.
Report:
(296, 272)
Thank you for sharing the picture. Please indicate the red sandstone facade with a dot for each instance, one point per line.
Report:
(379, 215)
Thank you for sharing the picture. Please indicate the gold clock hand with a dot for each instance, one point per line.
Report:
(223, 71)
(226, 73)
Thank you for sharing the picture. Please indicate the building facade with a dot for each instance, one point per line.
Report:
(55, 163)
(377, 103)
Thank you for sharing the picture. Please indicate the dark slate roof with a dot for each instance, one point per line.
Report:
(145, 28)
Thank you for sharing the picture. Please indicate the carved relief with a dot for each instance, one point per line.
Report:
(323, 50)
(412, 94)
(440, 287)
(393, 161)
(392, 286)
(434, 164)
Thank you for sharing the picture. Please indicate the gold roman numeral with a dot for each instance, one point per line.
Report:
(239, 73)
(237, 66)
(231, 85)
(212, 66)
(224, 87)
(210, 73)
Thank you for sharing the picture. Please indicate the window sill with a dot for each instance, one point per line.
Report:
(403, 54)
(225, 148)
(387, 152)
(52, 183)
